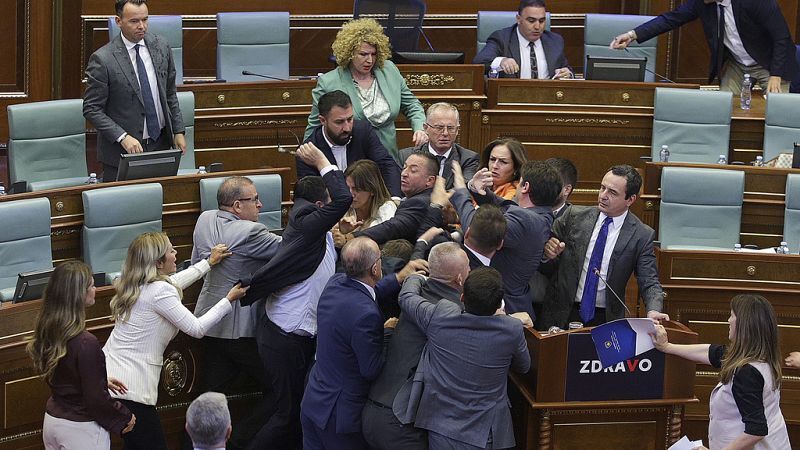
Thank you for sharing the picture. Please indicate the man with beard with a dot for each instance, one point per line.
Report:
(344, 140)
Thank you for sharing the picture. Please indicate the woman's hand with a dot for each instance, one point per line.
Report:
(218, 253)
(116, 386)
(348, 224)
(660, 338)
(793, 360)
(130, 425)
(236, 292)
(419, 138)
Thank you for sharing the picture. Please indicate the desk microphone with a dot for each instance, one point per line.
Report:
(650, 71)
(253, 74)
(597, 272)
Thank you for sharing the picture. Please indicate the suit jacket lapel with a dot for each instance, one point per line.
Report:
(349, 87)
(514, 46)
(625, 235)
(582, 246)
(124, 60)
(549, 53)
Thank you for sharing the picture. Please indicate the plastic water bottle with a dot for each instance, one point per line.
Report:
(784, 248)
(2, 190)
(201, 170)
(722, 160)
(494, 73)
(663, 155)
(92, 178)
(746, 95)
(759, 162)
(737, 247)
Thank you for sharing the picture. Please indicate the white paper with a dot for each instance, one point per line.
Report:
(685, 444)
(643, 327)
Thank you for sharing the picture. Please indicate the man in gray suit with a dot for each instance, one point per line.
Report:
(449, 267)
(442, 125)
(230, 346)
(526, 50)
(594, 245)
(465, 366)
(130, 95)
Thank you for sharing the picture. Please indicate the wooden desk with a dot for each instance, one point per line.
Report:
(180, 211)
(699, 287)
(762, 210)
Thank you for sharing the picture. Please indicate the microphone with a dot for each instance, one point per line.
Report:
(253, 74)
(597, 272)
(650, 71)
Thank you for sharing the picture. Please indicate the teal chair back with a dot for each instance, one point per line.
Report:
(269, 188)
(782, 124)
(47, 144)
(112, 218)
(600, 29)
(186, 103)
(700, 208)
(24, 242)
(696, 125)
(791, 216)
(254, 41)
(169, 28)
(491, 21)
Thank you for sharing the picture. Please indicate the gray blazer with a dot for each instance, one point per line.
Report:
(252, 246)
(468, 160)
(464, 370)
(113, 101)
(633, 254)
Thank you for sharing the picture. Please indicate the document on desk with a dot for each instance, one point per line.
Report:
(685, 444)
(622, 339)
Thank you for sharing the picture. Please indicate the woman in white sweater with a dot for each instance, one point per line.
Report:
(148, 312)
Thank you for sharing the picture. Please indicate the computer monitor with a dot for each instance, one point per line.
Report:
(428, 57)
(30, 285)
(135, 166)
(615, 69)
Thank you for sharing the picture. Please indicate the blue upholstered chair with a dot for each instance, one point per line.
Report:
(254, 41)
(700, 208)
(782, 124)
(269, 190)
(24, 242)
(112, 218)
(600, 29)
(696, 125)
(491, 21)
(47, 144)
(186, 103)
(791, 216)
(169, 28)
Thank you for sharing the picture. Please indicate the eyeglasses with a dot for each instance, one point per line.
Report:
(251, 199)
(440, 128)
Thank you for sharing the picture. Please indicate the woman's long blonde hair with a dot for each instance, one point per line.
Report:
(755, 338)
(63, 315)
(356, 32)
(138, 270)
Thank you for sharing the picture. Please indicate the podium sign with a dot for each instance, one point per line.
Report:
(639, 378)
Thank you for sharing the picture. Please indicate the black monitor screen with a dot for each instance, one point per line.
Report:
(428, 58)
(615, 69)
(30, 285)
(135, 166)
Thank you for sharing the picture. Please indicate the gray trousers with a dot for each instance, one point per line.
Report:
(383, 431)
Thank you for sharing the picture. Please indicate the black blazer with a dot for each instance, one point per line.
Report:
(409, 222)
(760, 23)
(504, 42)
(303, 244)
(468, 160)
(364, 144)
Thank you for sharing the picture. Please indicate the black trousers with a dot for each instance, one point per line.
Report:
(598, 319)
(147, 434)
(383, 431)
(286, 359)
(164, 142)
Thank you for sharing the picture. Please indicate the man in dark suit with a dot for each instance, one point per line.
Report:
(130, 95)
(745, 36)
(412, 218)
(528, 226)
(344, 140)
(591, 245)
(448, 266)
(442, 125)
(526, 50)
(350, 347)
(465, 365)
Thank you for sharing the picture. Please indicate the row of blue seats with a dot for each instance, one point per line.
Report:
(112, 218)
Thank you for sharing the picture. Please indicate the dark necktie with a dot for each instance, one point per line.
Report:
(153, 129)
(534, 65)
(589, 296)
(720, 39)
(441, 159)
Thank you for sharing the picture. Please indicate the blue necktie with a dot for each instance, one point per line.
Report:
(150, 114)
(589, 296)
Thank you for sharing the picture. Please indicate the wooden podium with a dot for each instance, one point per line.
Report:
(567, 400)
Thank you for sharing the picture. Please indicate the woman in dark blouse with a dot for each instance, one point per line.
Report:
(745, 406)
(80, 412)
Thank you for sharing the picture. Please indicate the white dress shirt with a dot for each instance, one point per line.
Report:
(732, 39)
(144, 53)
(339, 151)
(436, 155)
(611, 240)
(483, 259)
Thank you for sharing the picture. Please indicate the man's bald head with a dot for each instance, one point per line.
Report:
(358, 257)
(448, 263)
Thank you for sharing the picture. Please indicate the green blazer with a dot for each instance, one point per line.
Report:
(394, 89)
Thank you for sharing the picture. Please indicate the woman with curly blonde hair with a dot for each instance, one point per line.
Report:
(148, 313)
(375, 86)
